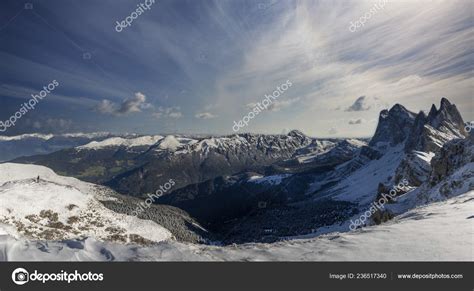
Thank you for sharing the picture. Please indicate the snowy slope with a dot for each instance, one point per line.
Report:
(58, 208)
(10, 172)
(272, 180)
(361, 185)
(423, 234)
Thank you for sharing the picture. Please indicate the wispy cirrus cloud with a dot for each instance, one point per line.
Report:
(329, 64)
(230, 53)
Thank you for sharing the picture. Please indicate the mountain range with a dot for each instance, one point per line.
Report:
(249, 188)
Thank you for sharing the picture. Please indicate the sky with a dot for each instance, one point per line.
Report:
(196, 66)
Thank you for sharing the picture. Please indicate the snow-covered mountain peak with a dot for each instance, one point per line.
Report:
(399, 111)
(170, 142)
(120, 141)
(181, 145)
(296, 133)
(51, 136)
(26, 136)
(447, 116)
(430, 133)
(393, 127)
(418, 131)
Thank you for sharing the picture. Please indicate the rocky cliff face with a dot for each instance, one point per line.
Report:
(429, 133)
(438, 157)
(427, 137)
(394, 126)
(452, 156)
(447, 118)
(420, 132)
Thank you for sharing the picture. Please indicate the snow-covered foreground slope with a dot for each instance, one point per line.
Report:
(441, 231)
(59, 208)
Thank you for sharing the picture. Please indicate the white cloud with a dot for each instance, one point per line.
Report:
(137, 103)
(106, 107)
(134, 104)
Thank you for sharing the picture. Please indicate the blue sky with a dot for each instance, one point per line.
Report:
(196, 66)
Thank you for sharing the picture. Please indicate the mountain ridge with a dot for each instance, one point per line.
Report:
(260, 188)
